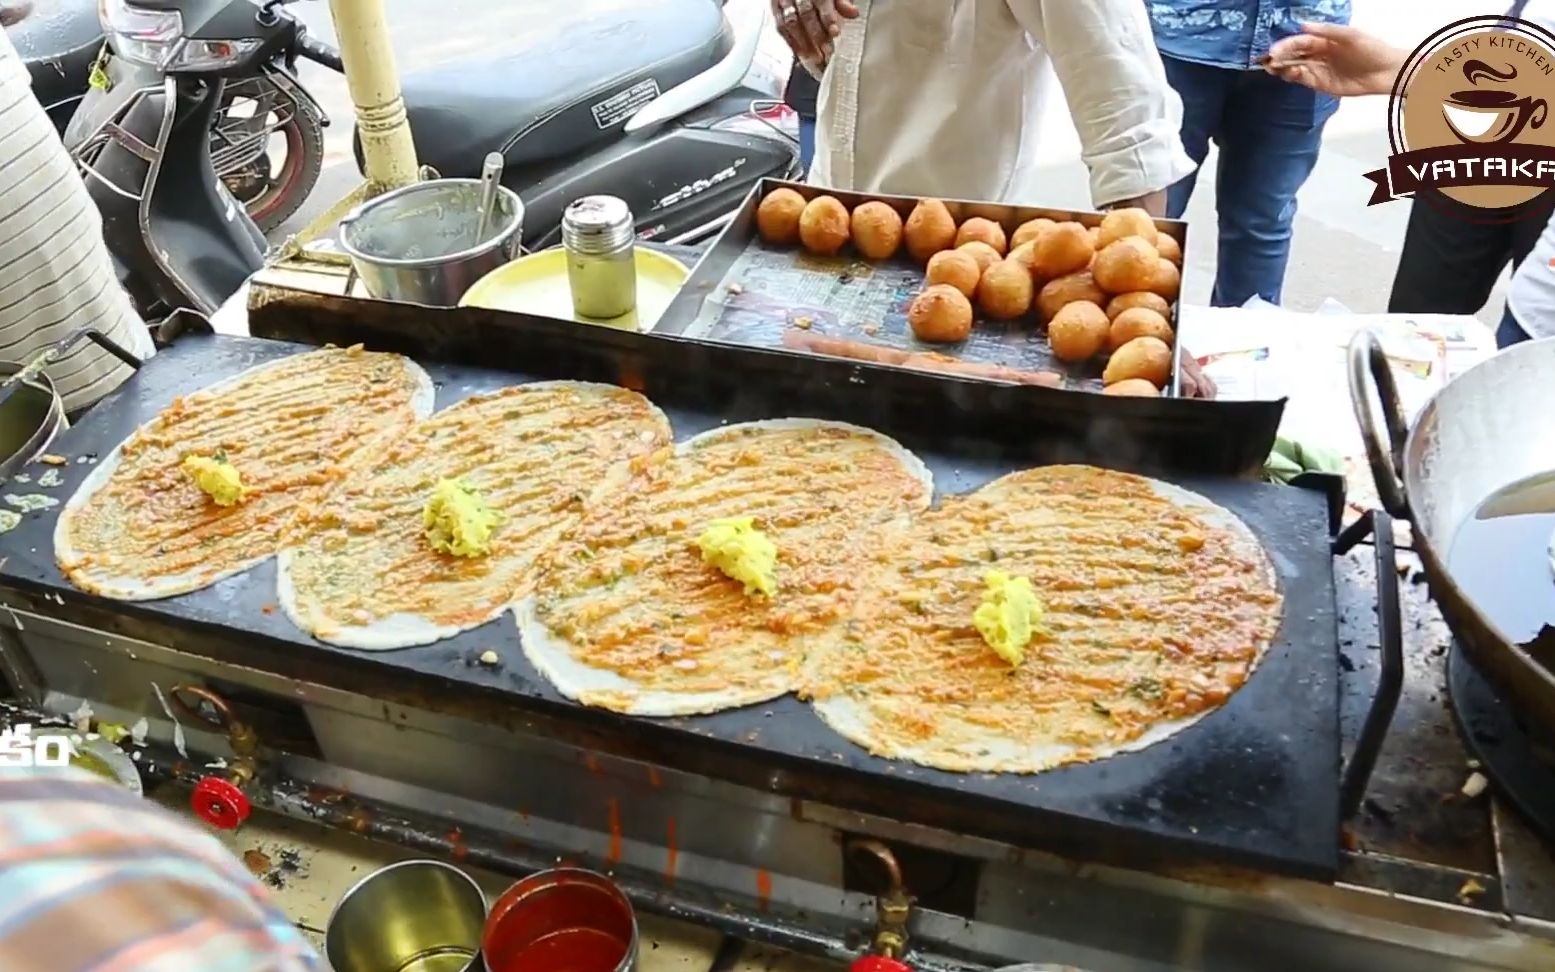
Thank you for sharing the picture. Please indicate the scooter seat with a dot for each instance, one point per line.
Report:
(572, 87)
(58, 40)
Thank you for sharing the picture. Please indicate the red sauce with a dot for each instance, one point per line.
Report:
(763, 888)
(615, 831)
(565, 950)
(561, 924)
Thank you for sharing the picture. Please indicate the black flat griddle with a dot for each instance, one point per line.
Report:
(1253, 784)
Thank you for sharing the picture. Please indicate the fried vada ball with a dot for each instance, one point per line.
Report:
(1138, 322)
(777, 218)
(1078, 331)
(1064, 249)
(1005, 291)
(1094, 235)
(1125, 266)
(1132, 388)
(985, 255)
(941, 314)
(1025, 255)
(930, 229)
(1168, 280)
(1143, 298)
(1028, 232)
(1123, 223)
(982, 230)
(823, 226)
(1066, 290)
(1169, 248)
(1144, 357)
(956, 268)
(877, 230)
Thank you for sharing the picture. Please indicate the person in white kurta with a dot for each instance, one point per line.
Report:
(55, 271)
(945, 97)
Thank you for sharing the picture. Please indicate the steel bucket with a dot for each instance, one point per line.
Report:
(414, 916)
(418, 244)
(1487, 428)
(29, 420)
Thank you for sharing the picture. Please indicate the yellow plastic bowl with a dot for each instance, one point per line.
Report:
(537, 284)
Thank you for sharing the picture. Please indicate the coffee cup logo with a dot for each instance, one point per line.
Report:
(1491, 115)
(1469, 119)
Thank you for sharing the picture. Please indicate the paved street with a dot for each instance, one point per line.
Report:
(1343, 249)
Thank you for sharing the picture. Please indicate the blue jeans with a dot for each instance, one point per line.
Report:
(1510, 332)
(806, 142)
(1269, 133)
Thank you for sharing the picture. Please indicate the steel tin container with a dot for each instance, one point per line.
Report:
(564, 918)
(414, 916)
(419, 244)
(598, 233)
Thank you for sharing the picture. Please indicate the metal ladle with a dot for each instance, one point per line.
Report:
(491, 178)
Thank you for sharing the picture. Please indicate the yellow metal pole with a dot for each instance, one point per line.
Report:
(387, 149)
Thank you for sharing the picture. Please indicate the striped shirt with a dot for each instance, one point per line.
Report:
(55, 272)
(95, 879)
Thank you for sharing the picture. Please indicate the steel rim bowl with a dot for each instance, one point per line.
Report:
(408, 915)
(419, 244)
(29, 420)
(116, 765)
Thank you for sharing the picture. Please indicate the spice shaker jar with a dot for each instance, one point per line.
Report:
(598, 233)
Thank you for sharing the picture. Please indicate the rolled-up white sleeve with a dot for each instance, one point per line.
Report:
(1128, 116)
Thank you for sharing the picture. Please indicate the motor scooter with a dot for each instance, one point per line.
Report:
(144, 143)
(650, 100)
(266, 146)
(59, 43)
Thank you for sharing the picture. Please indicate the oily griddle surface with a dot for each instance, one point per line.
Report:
(1253, 784)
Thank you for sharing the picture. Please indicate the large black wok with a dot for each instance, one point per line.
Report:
(1489, 427)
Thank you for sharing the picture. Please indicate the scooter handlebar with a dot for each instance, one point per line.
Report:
(319, 53)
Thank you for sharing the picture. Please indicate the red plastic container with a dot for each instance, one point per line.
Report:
(565, 920)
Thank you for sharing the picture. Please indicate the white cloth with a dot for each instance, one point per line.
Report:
(944, 98)
(55, 272)
(1531, 294)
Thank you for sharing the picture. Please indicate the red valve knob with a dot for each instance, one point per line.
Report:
(221, 804)
(878, 963)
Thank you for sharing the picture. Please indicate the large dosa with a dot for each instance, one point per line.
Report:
(362, 573)
(138, 528)
(1158, 605)
(627, 616)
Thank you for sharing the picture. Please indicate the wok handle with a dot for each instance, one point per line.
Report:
(1369, 373)
(1390, 637)
(86, 332)
(112, 347)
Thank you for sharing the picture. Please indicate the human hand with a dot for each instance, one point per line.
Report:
(1337, 60)
(809, 26)
(1192, 380)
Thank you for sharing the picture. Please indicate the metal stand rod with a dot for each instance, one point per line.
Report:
(1390, 639)
(387, 150)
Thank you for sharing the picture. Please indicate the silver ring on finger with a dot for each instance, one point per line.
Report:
(806, 6)
(790, 13)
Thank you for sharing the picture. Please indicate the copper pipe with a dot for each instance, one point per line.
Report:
(224, 717)
(867, 849)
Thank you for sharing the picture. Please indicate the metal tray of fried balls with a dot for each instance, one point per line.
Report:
(1101, 292)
